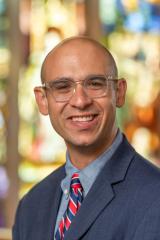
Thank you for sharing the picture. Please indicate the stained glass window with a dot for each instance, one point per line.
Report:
(132, 32)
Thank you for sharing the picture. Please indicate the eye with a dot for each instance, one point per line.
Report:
(64, 85)
(96, 82)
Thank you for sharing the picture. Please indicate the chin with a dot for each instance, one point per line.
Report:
(82, 142)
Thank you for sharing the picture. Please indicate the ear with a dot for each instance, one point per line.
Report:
(121, 92)
(41, 100)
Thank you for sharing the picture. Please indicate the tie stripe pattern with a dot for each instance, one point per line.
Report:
(75, 200)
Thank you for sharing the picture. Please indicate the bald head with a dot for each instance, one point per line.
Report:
(90, 49)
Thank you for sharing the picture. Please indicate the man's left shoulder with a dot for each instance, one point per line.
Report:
(146, 170)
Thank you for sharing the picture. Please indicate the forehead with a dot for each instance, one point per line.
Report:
(77, 59)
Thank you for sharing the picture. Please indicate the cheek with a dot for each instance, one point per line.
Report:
(56, 114)
(108, 105)
(109, 112)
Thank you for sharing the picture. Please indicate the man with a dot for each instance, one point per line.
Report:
(118, 192)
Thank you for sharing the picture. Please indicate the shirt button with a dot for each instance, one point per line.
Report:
(66, 192)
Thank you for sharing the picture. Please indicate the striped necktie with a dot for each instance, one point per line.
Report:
(75, 200)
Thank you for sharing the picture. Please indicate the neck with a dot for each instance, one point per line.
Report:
(82, 156)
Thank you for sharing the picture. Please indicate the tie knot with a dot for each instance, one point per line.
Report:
(75, 183)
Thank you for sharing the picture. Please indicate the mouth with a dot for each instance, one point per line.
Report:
(84, 118)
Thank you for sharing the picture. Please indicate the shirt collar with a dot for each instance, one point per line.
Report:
(89, 173)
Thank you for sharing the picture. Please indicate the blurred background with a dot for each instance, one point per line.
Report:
(29, 148)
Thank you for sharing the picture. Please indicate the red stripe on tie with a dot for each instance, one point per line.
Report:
(73, 207)
(67, 222)
(61, 227)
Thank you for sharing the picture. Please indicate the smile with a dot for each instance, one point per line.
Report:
(86, 118)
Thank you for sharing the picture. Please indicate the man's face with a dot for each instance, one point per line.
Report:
(83, 122)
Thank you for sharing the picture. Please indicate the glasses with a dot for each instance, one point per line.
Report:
(94, 86)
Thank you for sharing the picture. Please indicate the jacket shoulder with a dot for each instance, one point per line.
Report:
(45, 186)
(146, 168)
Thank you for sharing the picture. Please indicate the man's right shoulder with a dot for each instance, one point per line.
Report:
(46, 186)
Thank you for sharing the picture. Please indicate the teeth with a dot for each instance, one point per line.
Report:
(82, 118)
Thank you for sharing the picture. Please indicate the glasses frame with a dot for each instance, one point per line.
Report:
(47, 86)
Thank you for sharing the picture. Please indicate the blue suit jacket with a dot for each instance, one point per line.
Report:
(123, 203)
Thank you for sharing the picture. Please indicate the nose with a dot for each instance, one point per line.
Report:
(80, 99)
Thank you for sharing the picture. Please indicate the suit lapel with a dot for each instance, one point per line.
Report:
(101, 193)
(49, 208)
(55, 207)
